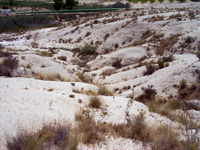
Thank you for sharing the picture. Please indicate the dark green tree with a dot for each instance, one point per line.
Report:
(58, 4)
(70, 4)
(10, 2)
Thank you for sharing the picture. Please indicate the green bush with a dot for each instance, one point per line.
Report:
(182, 84)
(88, 50)
(58, 4)
(70, 4)
(104, 91)
(119, 5)
(161, 64)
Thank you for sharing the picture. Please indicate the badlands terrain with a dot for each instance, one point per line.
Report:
(142, 65)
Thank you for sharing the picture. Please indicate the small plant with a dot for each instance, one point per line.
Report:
(63, 58)
(191, 14)
(182, 84)
(150, 69)
(8, 65)
(117, 63)
(139, 127)
(48, 77)
(87, 34)
(148, 94)
(95, 102)
(46, 54)
(169, 58)
(189, 40)
(161, 64)
(91, 131)
(177, 104)
(106, 36)
(116, 45)
(88, 50)
(198, 54)
(4, 54)
(104, 91)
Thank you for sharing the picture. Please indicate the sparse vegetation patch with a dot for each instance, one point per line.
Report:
(8, 65)
(16, 23)
(57, 136)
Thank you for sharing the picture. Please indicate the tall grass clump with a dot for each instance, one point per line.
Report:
(57, 136)
(95, 102)
(8, 65)
(104, 91)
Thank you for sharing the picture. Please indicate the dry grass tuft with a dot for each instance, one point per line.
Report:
(95, 102)
(48, 77)
(58, 136)
(104, 91)
(90, 131)
(166, 44)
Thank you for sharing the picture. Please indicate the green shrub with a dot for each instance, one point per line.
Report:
(177, 104)
(70, 4)
(5, 7)
(58, 4)
(104, 91)
(182, 84)
(88, 50)
(161, 64)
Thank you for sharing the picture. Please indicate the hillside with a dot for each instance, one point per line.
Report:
(141, 63)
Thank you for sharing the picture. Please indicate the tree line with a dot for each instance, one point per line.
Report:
(68, 4)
